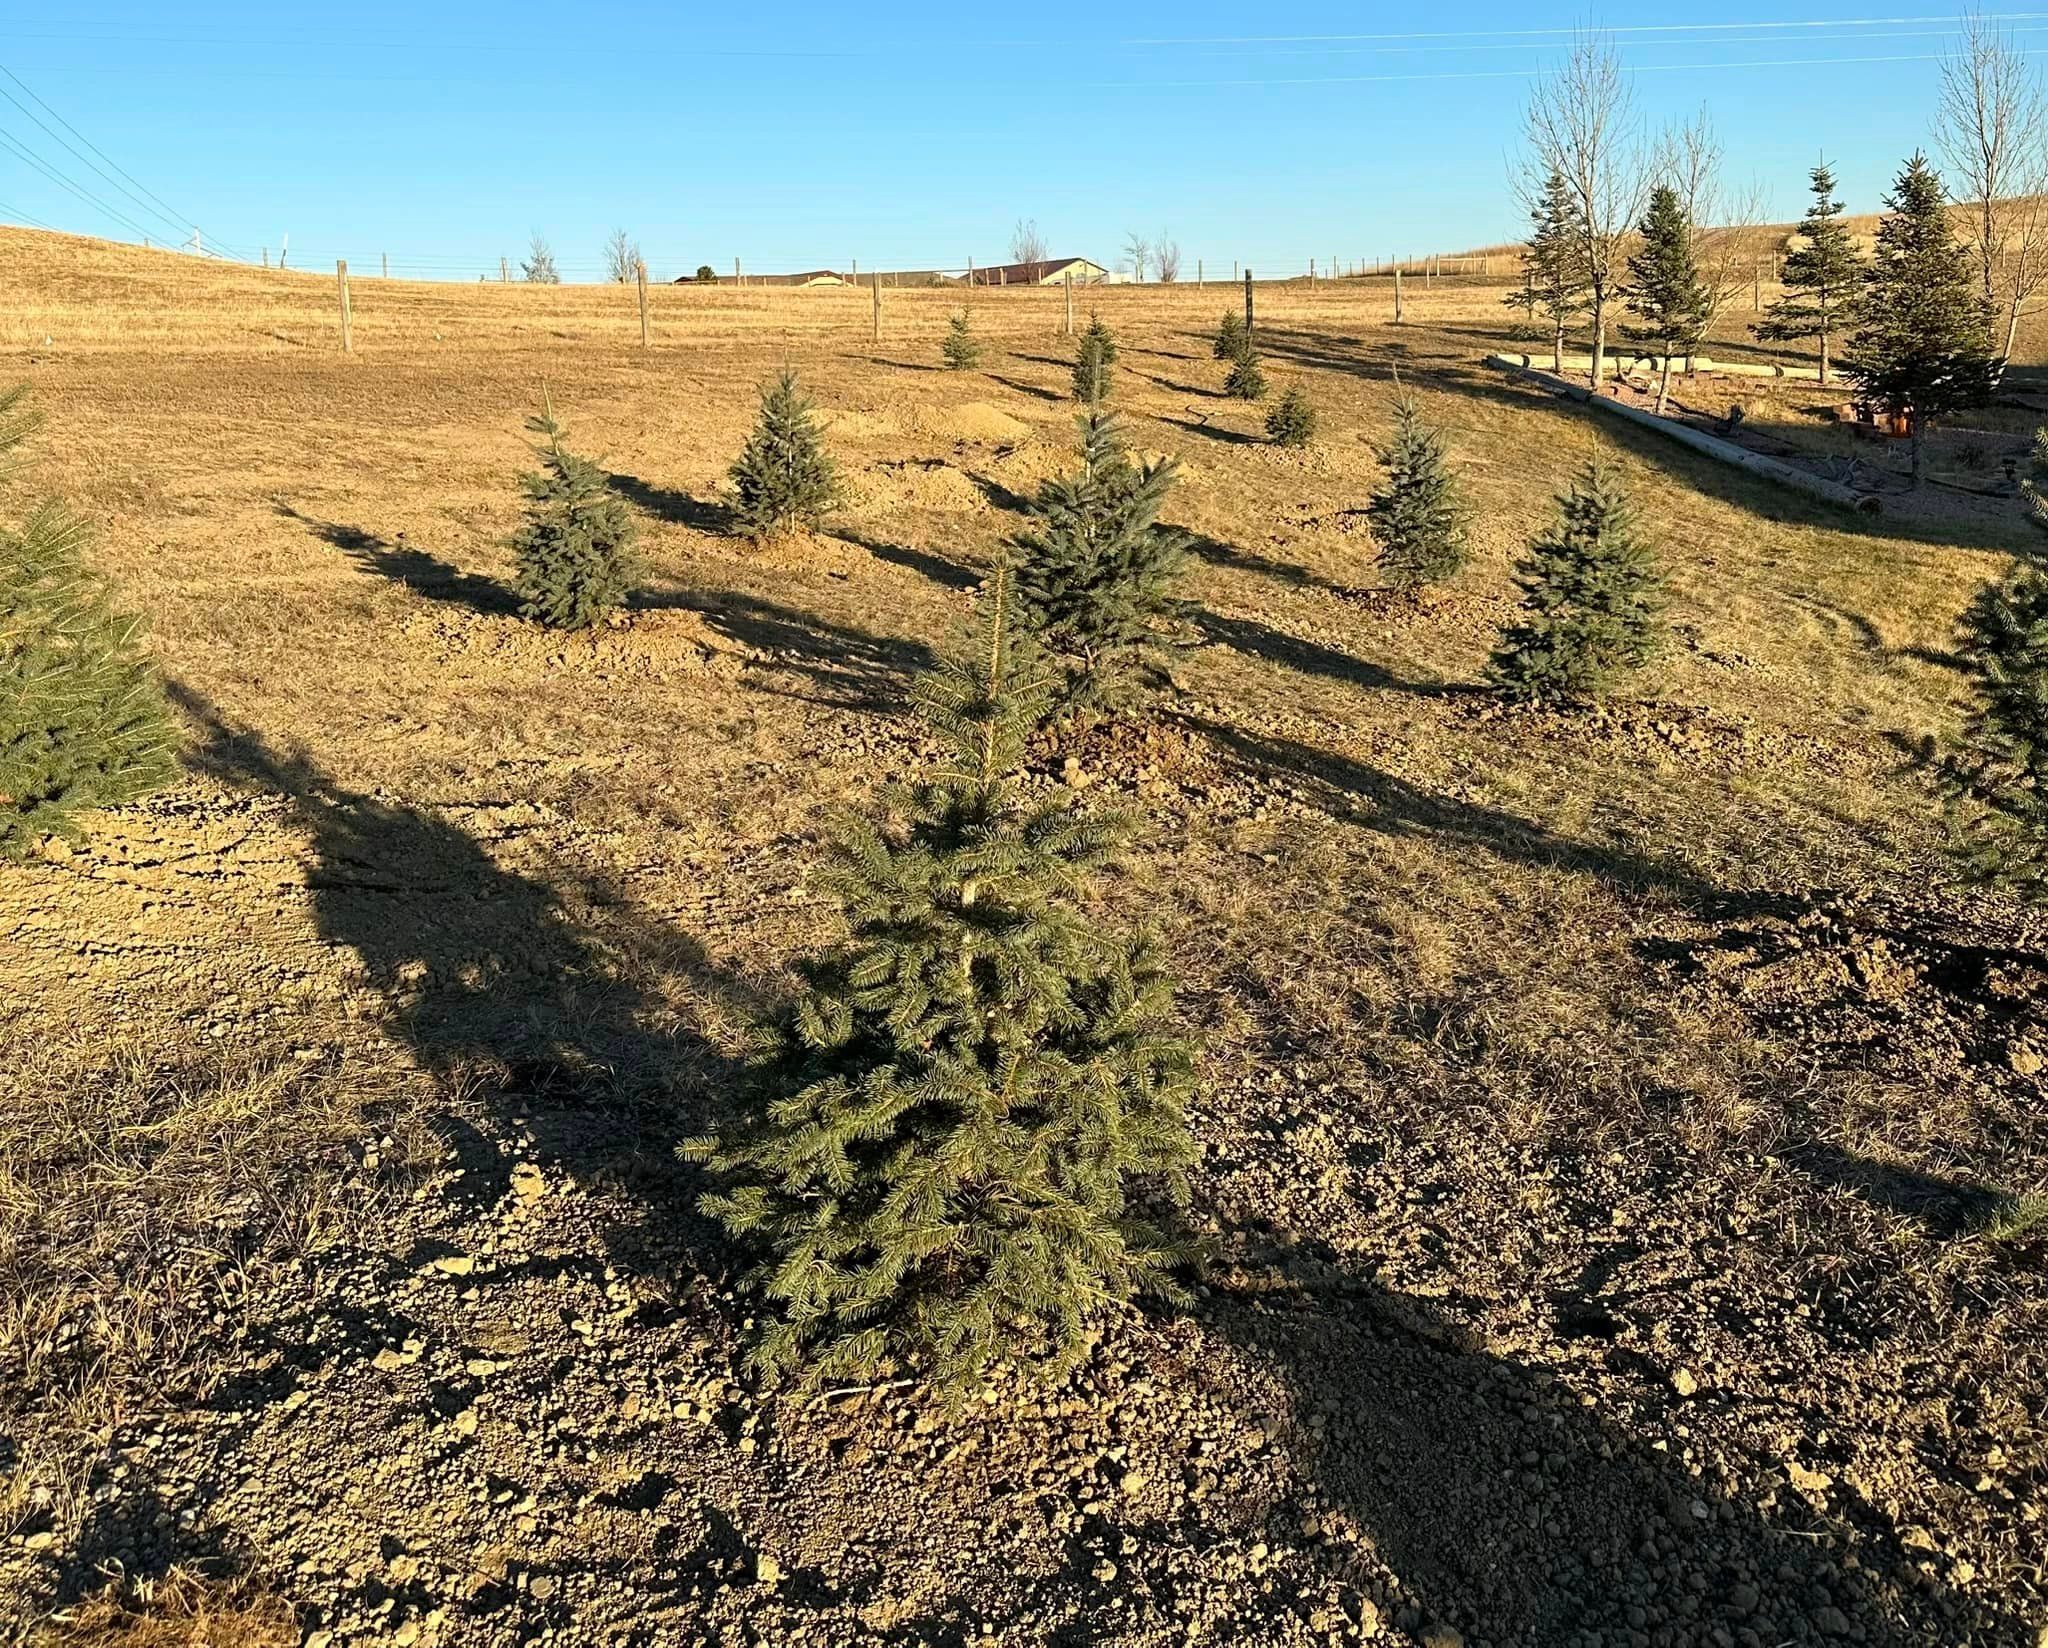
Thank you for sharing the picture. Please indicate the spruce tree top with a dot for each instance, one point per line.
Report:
(1229, 335)
(783, 479)
(937, 1178)
(1665, 288)
(1102, 337)
(573, 553)
(1923, 339)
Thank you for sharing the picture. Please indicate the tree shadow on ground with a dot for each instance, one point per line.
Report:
(906, 366)
(1944, 1206)
(425, 574)
(1210, 432)
(843, 667)
(1179, 388)
(1518, 1517)
(670, 504)
(1257, 640)
(1392, 806)
(939, 569)
(1023, 388)
(1000, 495)
(1237, 559)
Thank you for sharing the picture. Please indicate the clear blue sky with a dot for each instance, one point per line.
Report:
(796, 133)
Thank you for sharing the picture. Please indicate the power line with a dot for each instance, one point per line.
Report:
(64, 182)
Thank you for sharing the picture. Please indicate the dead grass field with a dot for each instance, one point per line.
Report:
(1614, 1125)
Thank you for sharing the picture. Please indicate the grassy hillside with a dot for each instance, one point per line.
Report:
(1613, 1124)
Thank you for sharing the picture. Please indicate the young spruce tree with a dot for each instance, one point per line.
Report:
(1096, 572)
(1092, 360)
(1820, 278)
(1554, 285)
(938, 1178)
(1922, 346)
(1418, 515)
(1229, 335)
(83, 722)
(573, 553)
(1292, 422)
(960, 349)
(1247, 381)
(783, 478)
(1592, 598)
(1665, 288)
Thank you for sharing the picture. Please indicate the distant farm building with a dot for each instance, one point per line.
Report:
(1045, 272)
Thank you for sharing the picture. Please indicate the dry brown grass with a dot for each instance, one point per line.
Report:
(180, 1610)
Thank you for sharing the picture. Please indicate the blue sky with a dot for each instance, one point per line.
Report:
(798, 134)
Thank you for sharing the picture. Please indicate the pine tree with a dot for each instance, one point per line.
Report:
(1553, 283)
(1091, 364)
(1292, 422)
(1229, 336)
(1997, 776)
(938, 1177)
(1922, 346)
(1246, 382)
(1418, 515)
(1592, 598)
(1104, 338)
(574, 551)
(1096, 571)
(1665, 288)
(959, 348)
(83, 722)
(783, 478)
(539, 267)
(1820, 277)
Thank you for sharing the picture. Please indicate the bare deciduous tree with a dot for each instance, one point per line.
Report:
(1138, 253)
(1993, 126)
(621, 257)
(1581, 123)
(1166, 258)
(539, 267)
(1027, 246)
(1725, 221)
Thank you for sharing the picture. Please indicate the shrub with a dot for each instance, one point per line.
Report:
(1592, 606)
(1247, 382)
(574, 551)
(83, 722)
(959, 348)
(783, 478)
(1418, 514)
(1229, 335)
(1292, 422)
(706, 275)
(936, 1174)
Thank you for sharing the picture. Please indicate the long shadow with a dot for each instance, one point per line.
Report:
(907, 366)
(1257, 640)
(1379, 801)
(670, 504)
(1180, 388)
(425, 574)
(1944, 1206)
(1232, 437)
(1510, 1513)
(1000, 495)
(1023, 388)
(842, 667)
(1218, 553)
(938, 568)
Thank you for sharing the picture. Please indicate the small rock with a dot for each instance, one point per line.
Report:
(40, 1542)
(2023, 1059)
(767, 1571)
(1683, 1381)
(455, 1264)
(1831, 1621)
(465, 1422)
(1442, 1636)
(1105, 1570)
(1134, 1482)
(386, 1360)
(1743, 1599)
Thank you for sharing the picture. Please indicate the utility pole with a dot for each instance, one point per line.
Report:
(1247, 304)
(1070, 302)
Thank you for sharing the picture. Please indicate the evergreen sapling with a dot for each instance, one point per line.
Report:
(1092, 360)
(1553, 283)
(1096, 572)
(573, 553)
(1820, 277)
(1665, 288)
(83, 722)
(1418, 513)
(783, 479)
(1292, 422)
(1246, 382)
(960, 349)
(1592, 598)
(1229, 336)
(938, 1177)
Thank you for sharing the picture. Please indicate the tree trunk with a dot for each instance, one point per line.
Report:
(1599, 336)
(1557, 343)
(2012, 326)
(1919, 457)
(1664, 383)
(1823, 354)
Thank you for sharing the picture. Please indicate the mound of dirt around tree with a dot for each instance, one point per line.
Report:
(971, 421)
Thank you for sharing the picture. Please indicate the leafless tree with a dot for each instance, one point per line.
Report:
(1027, 246)
(1726, 221)
(539, 267)
(621, 257)
(1166, 258)
(1138, 252)
(1581, 123)
(1993, 127)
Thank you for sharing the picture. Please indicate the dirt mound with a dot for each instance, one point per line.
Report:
(662, 642)
(975, 421)
(913, 483)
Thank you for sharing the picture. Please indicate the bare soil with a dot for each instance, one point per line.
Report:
(1617, 1127)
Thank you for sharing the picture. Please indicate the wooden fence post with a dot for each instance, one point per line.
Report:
(640, 273)
(348, 346)
(266, 257)
(386, 256)
(1198, 274)
(1247, 302)
(736, 273)
(1397, 294)
(878, 305)
(504, 272)
(1069, 284)
(1311, 274)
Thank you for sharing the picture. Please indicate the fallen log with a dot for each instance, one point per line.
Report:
(1740, 457)
(1623, 363)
